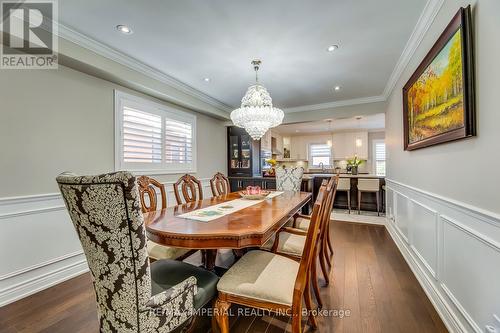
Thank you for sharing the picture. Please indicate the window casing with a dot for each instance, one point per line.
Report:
(320, 153)
(379, 164)
(153, 138)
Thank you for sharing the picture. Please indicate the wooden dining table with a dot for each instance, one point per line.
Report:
(249, 227)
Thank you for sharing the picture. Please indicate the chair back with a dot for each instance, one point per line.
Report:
(344, 184)
(310, 245)
(149, 187)
(219, 184)
(369, 184)
(189, 187)
(106, 214)
(289, 179)
(331, 191)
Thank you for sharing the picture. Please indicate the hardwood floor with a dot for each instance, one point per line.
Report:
(372, 289)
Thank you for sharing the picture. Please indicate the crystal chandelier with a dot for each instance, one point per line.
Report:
(257, 114)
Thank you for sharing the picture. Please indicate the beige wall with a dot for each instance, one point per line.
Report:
(464, 170)
(62, 120)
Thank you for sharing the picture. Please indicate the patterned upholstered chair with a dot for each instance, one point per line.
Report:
(289, 179)
(132, 295)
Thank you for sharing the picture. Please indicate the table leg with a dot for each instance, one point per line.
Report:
(210, 256)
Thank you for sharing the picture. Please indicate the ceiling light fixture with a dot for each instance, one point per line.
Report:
(207, 79)
(124, 29)
(332, 48)
(330, 142)
(256, 113)
(336, 88)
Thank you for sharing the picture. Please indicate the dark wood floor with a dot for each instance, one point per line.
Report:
(370, 279)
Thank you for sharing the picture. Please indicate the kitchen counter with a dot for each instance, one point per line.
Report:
(344, 175)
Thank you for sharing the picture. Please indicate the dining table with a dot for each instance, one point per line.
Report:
(223, 222)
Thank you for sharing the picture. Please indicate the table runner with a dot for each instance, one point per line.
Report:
(225, 208)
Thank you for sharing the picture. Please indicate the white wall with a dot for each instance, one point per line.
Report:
(62, 120)
(443, 201)
(53, 121)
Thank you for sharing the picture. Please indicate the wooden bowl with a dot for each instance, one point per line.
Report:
(262, 195)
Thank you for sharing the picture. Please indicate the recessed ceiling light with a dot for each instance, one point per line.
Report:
(207, 79)
(124, 29)
(332, 48)
(337, 88)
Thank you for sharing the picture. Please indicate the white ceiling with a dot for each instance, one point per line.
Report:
(374, 122)
(191, 39)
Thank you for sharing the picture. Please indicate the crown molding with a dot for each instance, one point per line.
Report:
(336, 104)
(134, 64)
(424, 22)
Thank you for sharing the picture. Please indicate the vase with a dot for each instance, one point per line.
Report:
(354, 170)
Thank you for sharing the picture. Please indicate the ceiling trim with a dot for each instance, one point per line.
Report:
(134, 64)
(330, 105)
(424, 22)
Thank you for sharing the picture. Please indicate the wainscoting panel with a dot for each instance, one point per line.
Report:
(39, 246)
(423, 235)
(454, 251)
(402, 215)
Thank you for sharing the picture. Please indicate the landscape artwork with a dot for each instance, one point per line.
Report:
(439, 97)
(436, 99)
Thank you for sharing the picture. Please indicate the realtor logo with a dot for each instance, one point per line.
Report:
(29, 34)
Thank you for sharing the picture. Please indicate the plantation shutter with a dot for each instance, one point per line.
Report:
(320, 153)
(141, 136)
(178, 142)
(152, 138)
(380, 158)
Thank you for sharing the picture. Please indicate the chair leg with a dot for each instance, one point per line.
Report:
(326, 251)
(323, 266)
(221, 314)
(378, 204)
(349, 201)
(359, 202)
(308, 303)
(297, 318)
(314, 283)
(328, 238)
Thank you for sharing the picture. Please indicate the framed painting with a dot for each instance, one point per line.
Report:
(438, 99)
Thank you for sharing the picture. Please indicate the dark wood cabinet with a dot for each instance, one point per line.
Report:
(239, 183)
(243, 153)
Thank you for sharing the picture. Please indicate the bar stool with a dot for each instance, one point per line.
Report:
(344, 185)
(369, 186)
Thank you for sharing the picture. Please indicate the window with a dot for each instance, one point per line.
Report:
(379, 157)
(320, 153)
(153, 138)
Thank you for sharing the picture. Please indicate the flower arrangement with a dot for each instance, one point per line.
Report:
(272, 162)
(354, 163)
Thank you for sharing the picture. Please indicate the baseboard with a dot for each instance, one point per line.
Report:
(38, 279)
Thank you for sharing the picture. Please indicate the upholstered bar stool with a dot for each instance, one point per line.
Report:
(369, 186)
(344, 185)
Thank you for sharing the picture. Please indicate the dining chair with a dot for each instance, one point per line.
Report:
(271, 281)
(219, 184)
(290, 241)
(132, 294)
(368, 185)
(189, 187)
(289, 179)
(149, 189)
